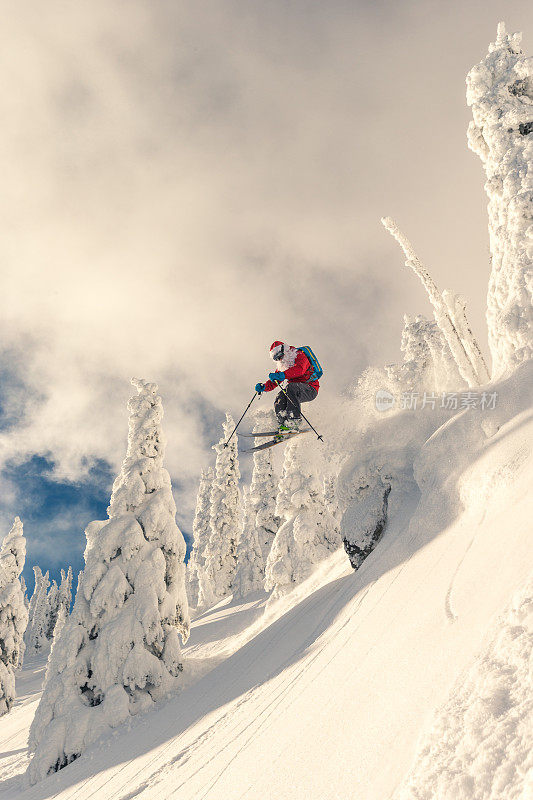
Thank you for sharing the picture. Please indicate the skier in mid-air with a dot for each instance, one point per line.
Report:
(300, 368)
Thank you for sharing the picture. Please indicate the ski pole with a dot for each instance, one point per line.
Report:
(318, 436)
(241, 419)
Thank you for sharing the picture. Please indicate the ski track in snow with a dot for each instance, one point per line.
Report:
(448, 607)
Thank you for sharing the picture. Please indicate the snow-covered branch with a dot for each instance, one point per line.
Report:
(471, 369)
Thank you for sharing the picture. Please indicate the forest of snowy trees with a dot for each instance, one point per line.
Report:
(118, 651)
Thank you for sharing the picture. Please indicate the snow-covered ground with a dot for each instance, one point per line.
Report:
(408, 678)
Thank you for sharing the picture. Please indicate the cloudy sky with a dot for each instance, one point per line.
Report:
(183, 183)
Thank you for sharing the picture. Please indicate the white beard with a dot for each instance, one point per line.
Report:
(289, 357)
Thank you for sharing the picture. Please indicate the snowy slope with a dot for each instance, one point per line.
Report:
(339, 690)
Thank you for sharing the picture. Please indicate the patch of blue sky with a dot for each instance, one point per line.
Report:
(55, 513)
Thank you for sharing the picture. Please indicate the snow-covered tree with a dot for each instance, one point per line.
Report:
(53, 610)
(264, 488)
(365, 517)
(500, 92)
(260, 523)
(119, 651)
(250, 572)
(309, 533)
(201, 530)
(450, 315)
(24, 591)
(61, 618)
(38, 577)
(225, 520)
(428, 363)
(13, 611)
(65, 590)
(37, 633)
(44, 610)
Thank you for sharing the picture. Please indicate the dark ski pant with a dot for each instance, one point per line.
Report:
(289, 408)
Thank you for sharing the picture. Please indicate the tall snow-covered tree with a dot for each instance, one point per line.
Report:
(201, 530)
(119, 651)
(13, 611)
(264, 488)
(22, 648)
(49, 601)
(37, 632)
(53, 610)
(38, 577)
(500, 92)
(65, 590)
(250, 572)
(225, 519)
(309, 532)
(24, 591)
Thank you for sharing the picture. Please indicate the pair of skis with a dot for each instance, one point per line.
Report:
(279, 437)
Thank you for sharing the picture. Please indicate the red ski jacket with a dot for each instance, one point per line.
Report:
(300, 372)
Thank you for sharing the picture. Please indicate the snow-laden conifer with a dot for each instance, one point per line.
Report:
(201, 530)
(500, 92)
(53, 610)
(225, 520)
(13, 611)
(119, 650)
(65, 591)
(264, 488)
(37, 633)
(309, 533)
(24, 591)
(428, 364)
(22, 649)
(250, 572)
(47, 602)
(38, 577)
(61, 618)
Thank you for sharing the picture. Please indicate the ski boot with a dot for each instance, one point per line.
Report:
(286, 428)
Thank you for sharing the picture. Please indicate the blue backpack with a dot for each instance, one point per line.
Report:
(315, 363)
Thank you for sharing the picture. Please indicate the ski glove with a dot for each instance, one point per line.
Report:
(259, 388)
(277, 376)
